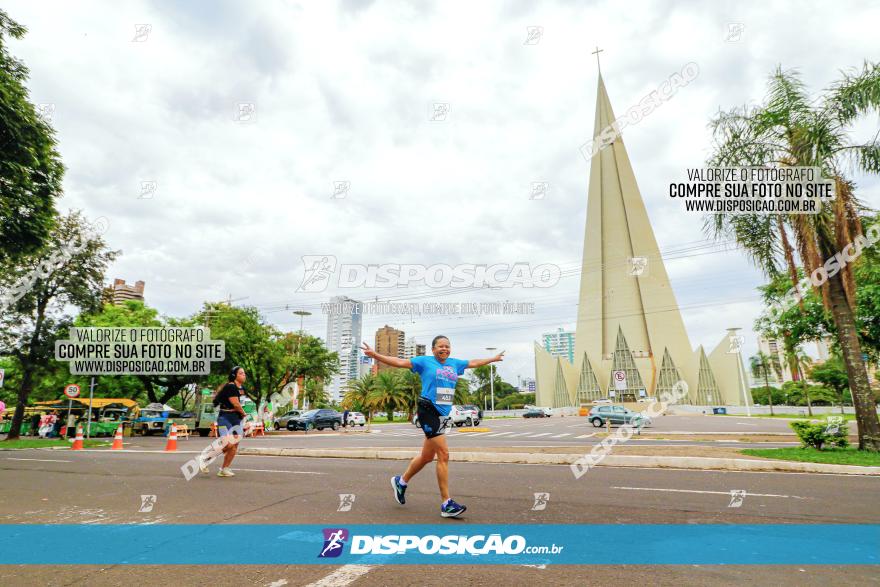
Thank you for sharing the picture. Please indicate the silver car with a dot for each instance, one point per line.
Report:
(283, 420)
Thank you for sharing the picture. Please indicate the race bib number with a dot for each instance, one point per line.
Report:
(444, 397)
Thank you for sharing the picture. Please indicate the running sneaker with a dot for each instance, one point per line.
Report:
(225, 473)
(202, 466)
(452, 509)
(399, 490)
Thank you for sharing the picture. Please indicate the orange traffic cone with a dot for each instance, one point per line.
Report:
(117, 441)
(172, 439)
(78, 441)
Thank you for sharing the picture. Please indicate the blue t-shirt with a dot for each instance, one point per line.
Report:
(438, 379)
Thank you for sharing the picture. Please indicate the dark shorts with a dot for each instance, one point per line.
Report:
(430, 420)
(226, 421)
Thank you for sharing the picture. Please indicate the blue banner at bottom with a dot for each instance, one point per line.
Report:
(417, 544)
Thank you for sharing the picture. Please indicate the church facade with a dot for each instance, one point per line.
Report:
(630, 339)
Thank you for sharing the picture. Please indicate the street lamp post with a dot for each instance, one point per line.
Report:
(302, 314)
(492, 377)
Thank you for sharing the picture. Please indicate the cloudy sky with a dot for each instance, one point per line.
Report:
(345, 92)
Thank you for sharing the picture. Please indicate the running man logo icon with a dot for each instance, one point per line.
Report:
(541, 500)
(736, 497)
(334, 541)
(346, 500)
(637, 265)
(736, 342)
(142, 32)
(318, 269)
(439, 112)
(734, 32)
(834, 424)
(147, 503)
(533, 35)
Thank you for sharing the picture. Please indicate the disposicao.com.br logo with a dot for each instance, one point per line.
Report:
(479, 544)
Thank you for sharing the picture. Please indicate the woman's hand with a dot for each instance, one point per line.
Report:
(368, 351)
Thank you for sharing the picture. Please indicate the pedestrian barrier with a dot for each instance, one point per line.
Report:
(172, 439)
(117, 440)
(182, 431)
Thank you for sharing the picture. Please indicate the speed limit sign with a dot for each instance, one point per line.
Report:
(72, 390)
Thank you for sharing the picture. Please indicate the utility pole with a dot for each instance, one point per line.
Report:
(492, 377)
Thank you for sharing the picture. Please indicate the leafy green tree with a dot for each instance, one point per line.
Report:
(761, 365)
(30, 167)
(792, 129)
(832, 374)
(68, 274)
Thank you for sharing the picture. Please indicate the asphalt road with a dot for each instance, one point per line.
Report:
(92, 487)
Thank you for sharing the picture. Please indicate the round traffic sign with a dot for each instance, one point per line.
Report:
(619, 375)
(72, 390)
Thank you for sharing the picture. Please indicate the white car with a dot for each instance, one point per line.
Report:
(356, 419)
(460, 417)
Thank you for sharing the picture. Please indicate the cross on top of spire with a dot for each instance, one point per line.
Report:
(596, 53)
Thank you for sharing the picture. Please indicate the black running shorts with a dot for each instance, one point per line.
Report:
(430, 420)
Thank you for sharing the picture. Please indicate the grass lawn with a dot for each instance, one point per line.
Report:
(836, 456)
(48, 442)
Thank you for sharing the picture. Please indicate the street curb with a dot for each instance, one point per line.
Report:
(659, 462)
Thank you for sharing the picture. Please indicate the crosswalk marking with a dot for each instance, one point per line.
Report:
(542, 434)
(561, 435)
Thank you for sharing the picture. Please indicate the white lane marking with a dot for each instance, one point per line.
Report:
(542, 434)
(501, 434)
(521, 434)
(342, 576)
(280, 471)
(41, 460)
(744, 424)
(587, 435)
(561, 435)
(278, 583)
(712, 492)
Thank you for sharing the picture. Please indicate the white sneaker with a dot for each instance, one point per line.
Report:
(225, 473)
(202, 466)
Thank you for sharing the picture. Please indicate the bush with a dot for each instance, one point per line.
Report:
(819, 433)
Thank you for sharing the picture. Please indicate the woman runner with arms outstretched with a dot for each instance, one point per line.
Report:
(439, 374)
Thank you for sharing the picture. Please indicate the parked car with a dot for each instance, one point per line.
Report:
(534, 413)
(316, 420)
(474, 408)
(460, 415)
(282, 421)
(602, 402)
(599, 415)
(547, 411)
(356, 418)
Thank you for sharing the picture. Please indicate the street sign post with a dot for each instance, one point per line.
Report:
(71, 391)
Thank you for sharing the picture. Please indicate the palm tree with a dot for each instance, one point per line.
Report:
(791, 129)
(760, 365)
(412, 382)
(802, 363)
(390, 392)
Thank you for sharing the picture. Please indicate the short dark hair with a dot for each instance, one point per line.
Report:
(436, 338)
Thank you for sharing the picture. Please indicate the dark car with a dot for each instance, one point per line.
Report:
(599, 415)
(316, 419)
(533, 413)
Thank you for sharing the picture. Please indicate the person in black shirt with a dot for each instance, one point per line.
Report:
(229, 417)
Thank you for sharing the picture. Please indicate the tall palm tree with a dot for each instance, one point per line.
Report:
(412, 383)
(390, 392)
(761, 365)
(791, 129)
(803, 362)
(357, 394)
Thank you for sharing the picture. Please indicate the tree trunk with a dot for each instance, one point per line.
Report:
(769, 391)
(24, 391)
(863, 401)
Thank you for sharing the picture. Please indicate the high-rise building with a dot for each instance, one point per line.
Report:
(630, 339)
(413, 349)
(391, 343)
(527, 385)
(344, 338)
(775, 349)
(121, 292)
(559, 344)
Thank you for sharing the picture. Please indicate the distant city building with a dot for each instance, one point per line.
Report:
(344, 338)
(121, 292)
(527, 385)
(391, 343)
(560, 344)
(365, 365)
(413, 349)
(775, 349)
